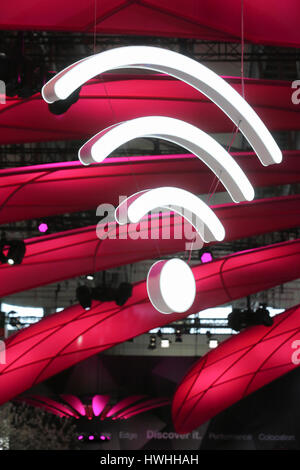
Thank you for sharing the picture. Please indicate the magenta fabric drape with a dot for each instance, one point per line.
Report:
(270, 22)
(45, 190)
(63, 339)
(116, 98)
(237, 367)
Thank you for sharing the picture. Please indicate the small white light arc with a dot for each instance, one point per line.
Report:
(178, 200)
(180, 132)
(177, 65)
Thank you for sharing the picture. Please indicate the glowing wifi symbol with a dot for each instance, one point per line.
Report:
(171, 285)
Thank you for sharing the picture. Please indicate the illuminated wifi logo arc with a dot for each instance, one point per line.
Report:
(171, 284)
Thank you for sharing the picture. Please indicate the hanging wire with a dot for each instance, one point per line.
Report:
(242, 48)
(127, 156)
(95, 24)
(216, 179)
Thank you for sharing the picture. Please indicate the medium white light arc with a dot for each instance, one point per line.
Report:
(178, 200)
(180, 132)
(179, 66)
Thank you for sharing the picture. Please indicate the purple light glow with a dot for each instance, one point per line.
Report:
(102, 438)
(80, 437)
(43, 227)
(98, 403)
(206, 257)
(91, 438)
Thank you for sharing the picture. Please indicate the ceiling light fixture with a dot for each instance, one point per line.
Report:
(178, 200)
(12, 252)
(206, 256)
(171, 286)
(63, 84)
(165, 296)
(213, 343)
(83, 295)
(179, 132)
(164, 343)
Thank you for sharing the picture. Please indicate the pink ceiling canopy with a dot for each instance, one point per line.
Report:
(63, 339)
(237, 367)
(270, 22)
(52, 258)
(45, 190)
(120, 97)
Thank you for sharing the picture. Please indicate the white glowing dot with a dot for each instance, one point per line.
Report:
(171, 286)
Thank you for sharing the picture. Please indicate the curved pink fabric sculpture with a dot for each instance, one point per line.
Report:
(217, 20)
(123, 405)
(63, 339)
(99, 402)
(46, 190)
(237, 367)
(143, 407)
(52, 258)
(121, 97)
(100, 408)
(48, 404)
(75, 403)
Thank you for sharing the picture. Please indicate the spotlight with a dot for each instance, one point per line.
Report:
(43, 227)
(90, 277)
(91, 438)
(205, 256)
(262, 316)
(165, 343)
(23, 76)
(6, 69)
(16, 252)
(105, 437)
(178, 338)
(239, 319)
(15, 322)
(213, 343)
(62, 106)
(208, 335)
(80, 438)
(152, 343)
(104, 293)
(123, 293)
(84, 297)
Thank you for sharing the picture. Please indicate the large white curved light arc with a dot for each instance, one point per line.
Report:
(178, 200)
(178, 66)
(182, 133)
